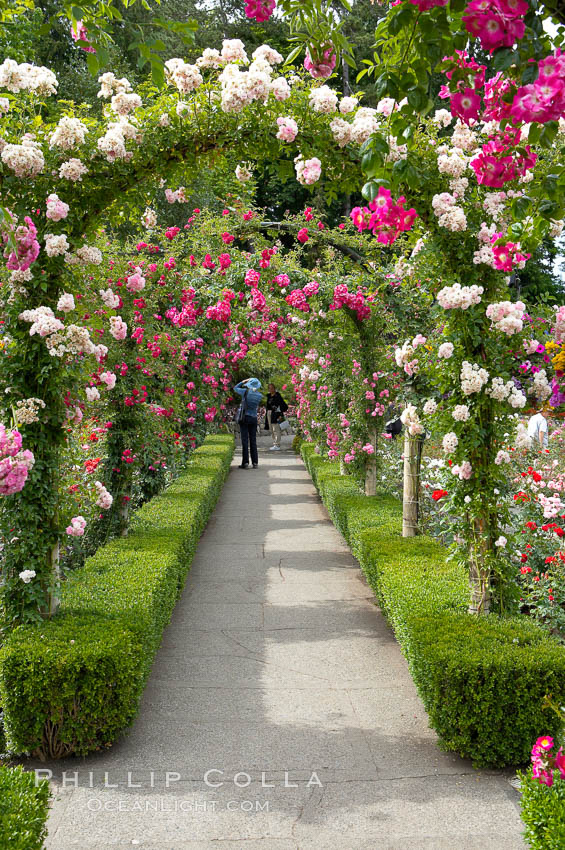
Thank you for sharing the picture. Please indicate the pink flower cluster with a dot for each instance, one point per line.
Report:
(500, 161)
(497, 23)
(288, 129)
(28, 246)
(56, 208)
(76, 527)
(385, 218)
(426, 5)
(320, 64)
(353, 300)
(543, 100)
(14, 463)
(507, 255)
(81, 34)
(261, 10)
(545, 761)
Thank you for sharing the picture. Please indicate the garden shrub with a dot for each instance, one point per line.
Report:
(297, 443)
(482, 680)
(543, 812)
(23, 810)
(72, 684)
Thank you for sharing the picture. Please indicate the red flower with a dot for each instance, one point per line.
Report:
(91, 464)
(439, 494)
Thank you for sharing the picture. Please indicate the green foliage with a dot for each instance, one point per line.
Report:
(482, 680)
(543, 812)
(71, 685)
(297, 444)
(23, 810)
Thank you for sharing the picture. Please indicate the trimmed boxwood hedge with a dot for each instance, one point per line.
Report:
(23, 810)
(482, 680)
(72, 684)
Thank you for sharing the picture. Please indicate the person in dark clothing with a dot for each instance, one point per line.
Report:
(276, 408)
(249, 391)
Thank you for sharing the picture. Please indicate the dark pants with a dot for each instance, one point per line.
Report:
(248, 431)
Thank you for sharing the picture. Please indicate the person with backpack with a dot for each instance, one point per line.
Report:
(276, 408)
(251, 398)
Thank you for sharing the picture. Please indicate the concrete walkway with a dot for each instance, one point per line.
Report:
(279, 678)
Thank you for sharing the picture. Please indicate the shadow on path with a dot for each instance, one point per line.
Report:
(280, 713)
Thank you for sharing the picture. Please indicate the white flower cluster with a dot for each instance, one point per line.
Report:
(25, 160)
(457, 296)
(43, 321)
(210, 59)
(449, 214)
(16, 77)
(395, 151)
(85, 255)
(56, 245)
(445, 351)
(243, 172)
(442, 117)
(506, 316)
(458, 186)
(185, 77)
(451, 161)
(66, 303)
(323, 99)
(149, 218)
(347, 105)
(463, 137)
(27, 410)
(365, 123)
(341, 131)
(450, 442)
(239, 88)
(123, 103)
(75, 340)
(523, 440)
(110, 85)
(233, 50)
(473, 377)
(404, 357)
(268, 53)
(73, 170)
(430, 407)
(541, 388)
(494, 204)
(485, 253)
(411, 421)
(460, 413)
(501, 391)
(109, 298)
(502, 457)
(68, 133)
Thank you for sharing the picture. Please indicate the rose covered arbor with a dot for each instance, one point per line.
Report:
(389, 296)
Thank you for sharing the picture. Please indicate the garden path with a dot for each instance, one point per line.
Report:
(277, 660)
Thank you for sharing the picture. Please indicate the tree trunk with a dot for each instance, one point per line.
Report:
(411, 495)
(55, 565)
(371, 469)
(345, 77)
(479, 573)
(124, 517)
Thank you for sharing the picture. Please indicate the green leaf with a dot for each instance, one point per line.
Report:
(370, 190)
(92, 63)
